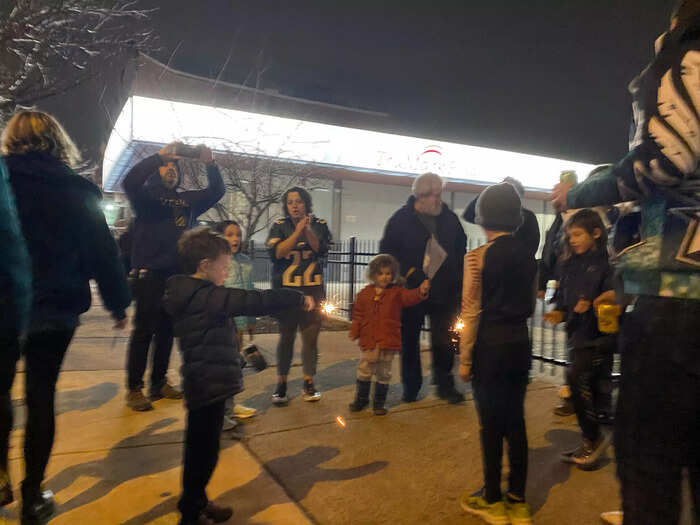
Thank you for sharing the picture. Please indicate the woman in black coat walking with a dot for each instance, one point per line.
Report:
(69, 243)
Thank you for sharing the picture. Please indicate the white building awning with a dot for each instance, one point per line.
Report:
(152, 121)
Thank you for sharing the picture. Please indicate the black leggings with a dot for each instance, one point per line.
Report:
(202, 441)
(43, 353)
(501, 408)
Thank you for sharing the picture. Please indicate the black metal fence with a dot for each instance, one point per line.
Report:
(344, 275)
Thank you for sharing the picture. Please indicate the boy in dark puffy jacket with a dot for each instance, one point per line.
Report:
(203, 312)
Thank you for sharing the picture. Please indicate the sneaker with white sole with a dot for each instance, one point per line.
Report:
(243, 412)
(493, 513)
(310, 392)
(280, 398)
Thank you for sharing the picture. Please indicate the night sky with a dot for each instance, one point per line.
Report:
(538, 77)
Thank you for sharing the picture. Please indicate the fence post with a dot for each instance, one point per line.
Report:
(351, 262)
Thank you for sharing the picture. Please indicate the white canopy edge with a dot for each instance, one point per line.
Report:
(162, 121)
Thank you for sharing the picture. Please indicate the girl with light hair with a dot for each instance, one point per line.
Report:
(34, 131)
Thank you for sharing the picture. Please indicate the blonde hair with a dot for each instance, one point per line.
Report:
(384, 260)
(30, 131)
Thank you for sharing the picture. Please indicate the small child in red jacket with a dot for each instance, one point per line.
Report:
(376, 322)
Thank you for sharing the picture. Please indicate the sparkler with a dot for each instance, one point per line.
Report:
(328, 308)
(341, 422)
(459, 325)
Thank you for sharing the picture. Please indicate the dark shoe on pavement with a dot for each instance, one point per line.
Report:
(409, 398)
(451, 395)
(361, 396)
(380, 392)
(166, 392)
(201, 520)
(605, 418)
(589, 452)
(280, 398)
(39, 511)
(565, 408)
(135, 400)
(218, 514)
(310, 392)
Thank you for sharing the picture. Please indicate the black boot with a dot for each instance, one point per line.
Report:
(361, 397)
(447, 390)
(380, 391)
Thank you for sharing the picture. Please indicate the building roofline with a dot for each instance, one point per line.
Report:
(263, 92)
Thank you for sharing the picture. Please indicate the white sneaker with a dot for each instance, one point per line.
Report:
(243, 412)
(310, 392)
(612, 518)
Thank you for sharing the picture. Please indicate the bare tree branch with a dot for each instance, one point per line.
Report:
(50, 47)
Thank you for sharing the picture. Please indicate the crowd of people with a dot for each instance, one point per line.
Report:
(195, 284)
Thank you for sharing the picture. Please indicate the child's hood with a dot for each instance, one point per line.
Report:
(179, 292)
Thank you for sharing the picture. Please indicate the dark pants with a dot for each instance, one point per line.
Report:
(657, 427)
(43, 354)
(202, 439)
(309, 323)
(441, 320)
(589, 376)
(9, 354)
(150, 323)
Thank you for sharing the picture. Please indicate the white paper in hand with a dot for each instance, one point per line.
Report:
(434, 256)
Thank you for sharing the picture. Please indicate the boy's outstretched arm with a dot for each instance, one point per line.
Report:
(234, 302)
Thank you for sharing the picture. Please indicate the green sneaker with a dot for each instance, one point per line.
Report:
(518, 512)
(494, 513)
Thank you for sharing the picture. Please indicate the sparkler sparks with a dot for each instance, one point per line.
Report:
(341, 422)
(328, 308)
(459, 326)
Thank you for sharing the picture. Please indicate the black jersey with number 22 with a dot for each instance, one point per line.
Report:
(302, 268)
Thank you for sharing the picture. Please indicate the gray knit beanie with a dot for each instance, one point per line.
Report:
(498, 208)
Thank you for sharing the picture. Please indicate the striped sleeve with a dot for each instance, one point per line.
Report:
(471, 302)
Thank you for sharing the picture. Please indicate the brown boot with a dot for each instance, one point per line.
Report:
(135, 400)
(167, 392)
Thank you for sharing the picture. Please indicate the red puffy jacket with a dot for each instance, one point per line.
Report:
(376, 318)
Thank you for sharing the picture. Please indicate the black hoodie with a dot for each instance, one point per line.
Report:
(203, 314)
(162, 214)
(68, 240)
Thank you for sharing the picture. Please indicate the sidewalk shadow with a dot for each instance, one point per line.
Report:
(114, 469)
(297, 473)
(68, 400)
(334, 376)
(338, 375)
(545, 468)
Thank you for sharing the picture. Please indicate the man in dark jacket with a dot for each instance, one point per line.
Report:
(405, 237)
(529, 231)
(203, 311)
(162, 214)
(15, 304)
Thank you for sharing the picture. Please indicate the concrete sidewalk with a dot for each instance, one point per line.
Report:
(297, 464)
